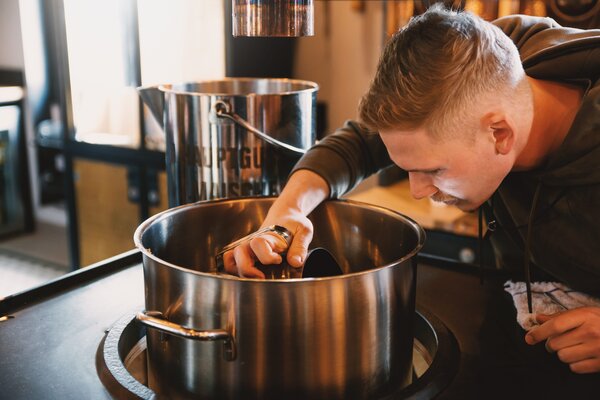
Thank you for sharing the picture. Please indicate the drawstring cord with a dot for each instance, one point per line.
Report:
(527, 251)
(480, 243)
(491, 226)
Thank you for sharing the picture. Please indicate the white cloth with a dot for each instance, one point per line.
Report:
(546, 298)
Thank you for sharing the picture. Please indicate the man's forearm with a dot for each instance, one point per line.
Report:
(304, 191)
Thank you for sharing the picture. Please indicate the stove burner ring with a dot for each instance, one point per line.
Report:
(115, 354)
(121, 359)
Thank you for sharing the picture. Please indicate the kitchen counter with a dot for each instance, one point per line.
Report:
(427, 213)
(452, 234)
(49, 335)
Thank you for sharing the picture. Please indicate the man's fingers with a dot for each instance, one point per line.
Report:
(299, 247)
(229, 263)
(541, 318)
(555, 326)
(586, 366)
(245, 263)
(575, 353)
(266, 248)
(244, 267)
(574, 335)
(567, 339)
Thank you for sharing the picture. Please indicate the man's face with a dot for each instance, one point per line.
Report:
(454, 171)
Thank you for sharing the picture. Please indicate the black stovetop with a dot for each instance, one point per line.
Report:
(48, 348)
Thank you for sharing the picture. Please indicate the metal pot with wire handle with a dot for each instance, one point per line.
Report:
(234, 137)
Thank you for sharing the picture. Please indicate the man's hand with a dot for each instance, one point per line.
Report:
(574, 335)
(267, 247)
(302, 193)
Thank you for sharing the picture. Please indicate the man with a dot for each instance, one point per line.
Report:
(505, 113)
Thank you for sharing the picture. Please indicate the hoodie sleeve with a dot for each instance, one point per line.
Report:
(346, 157)
(550, 51)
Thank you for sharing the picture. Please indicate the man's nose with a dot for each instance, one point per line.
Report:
(421, 185)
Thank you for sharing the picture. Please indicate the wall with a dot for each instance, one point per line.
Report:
(342, 56)
(181, 40)
(11, 51)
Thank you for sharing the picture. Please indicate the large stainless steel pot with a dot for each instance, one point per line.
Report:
(232, 137)
(343, 337)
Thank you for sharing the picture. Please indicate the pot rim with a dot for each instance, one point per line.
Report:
(137, 238)
(168, 88)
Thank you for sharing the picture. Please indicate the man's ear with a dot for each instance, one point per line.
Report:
(502, 132)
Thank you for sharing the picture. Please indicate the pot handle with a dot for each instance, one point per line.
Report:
(223, 110)
(156, 320)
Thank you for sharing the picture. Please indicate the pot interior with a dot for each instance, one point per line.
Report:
(360, 236)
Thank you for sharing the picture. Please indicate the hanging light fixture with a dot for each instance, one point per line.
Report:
(283, 18)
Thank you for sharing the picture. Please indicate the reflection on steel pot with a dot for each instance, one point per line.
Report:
(219, 336)
(233, 137)
(285, 18)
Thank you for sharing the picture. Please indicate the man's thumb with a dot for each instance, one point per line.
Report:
(299, 248)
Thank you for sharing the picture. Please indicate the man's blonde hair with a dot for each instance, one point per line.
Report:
(435, 69)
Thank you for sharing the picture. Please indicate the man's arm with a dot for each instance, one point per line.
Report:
(329, 169)
(304, 191)
(346, 157)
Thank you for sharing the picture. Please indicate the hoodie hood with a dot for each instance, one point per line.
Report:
(551, 52)
(550, 199)
(576, 161)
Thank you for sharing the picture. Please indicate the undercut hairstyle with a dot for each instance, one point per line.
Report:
(435, 69)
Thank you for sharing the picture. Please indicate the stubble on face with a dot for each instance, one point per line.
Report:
(449, 200)
(441, 197)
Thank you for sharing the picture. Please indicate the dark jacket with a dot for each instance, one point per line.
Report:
(565, 226)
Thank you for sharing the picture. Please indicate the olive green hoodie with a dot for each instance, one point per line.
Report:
(565, 226)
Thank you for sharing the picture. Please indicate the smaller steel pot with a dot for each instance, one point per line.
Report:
(233, 137)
